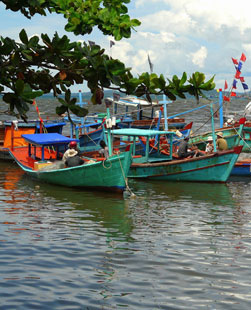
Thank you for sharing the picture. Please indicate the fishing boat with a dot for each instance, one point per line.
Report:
(164, 142)
(40, 160)
(11, 133)
(213, 167)
(242, 168)
(146, 114)
(229, 133)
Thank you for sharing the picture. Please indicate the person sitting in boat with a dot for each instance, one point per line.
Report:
(73, 159)
(73, 147)
(104, 152)
(209, 146)
(183, 151)
(221, 143)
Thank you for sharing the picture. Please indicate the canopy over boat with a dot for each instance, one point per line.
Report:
(47, 139)
(134, 101)
(140, 132)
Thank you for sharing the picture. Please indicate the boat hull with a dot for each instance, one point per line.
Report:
(99, 175)
(242, 168)
(209, 168)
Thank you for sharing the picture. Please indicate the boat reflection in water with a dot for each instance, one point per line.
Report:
(213, 193)
(105, 208)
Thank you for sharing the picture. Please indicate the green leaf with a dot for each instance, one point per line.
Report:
(19, 86)
(79, 111)
(33, 41)
(61, 110)
(183, 79)
(23, 36)
(63, 102)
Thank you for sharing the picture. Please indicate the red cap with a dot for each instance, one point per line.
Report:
(73, 144)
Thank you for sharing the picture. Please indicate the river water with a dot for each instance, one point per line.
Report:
(171, 246)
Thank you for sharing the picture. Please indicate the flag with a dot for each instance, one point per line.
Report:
(233, 94)
(235, 61)
(244, 86)
(150, 64)
(237, 74)
(111, 43)
(239, 66)
(243, 57)
(226, 98)
(226, 86)
(234, 84)
(242, 79)
(91, 43)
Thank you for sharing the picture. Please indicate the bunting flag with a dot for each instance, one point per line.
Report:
(243, 57)
(150, 64)
(235, 61)
(244, 85)
(234, 83)
(237, 74)
(239, 66)
(225, 86)
(111, 43)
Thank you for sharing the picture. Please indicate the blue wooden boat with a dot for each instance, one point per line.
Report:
(214, 167)
(242, 168)
(40, 160)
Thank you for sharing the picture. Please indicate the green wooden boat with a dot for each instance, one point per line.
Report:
(230, 134)
(39, 160)
(215, 167)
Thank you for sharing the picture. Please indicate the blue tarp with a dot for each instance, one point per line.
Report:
(45, 139)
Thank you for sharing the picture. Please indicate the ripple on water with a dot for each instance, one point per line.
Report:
(171, 247)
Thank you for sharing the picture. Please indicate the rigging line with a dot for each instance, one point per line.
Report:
(125, 179)
(242, 138)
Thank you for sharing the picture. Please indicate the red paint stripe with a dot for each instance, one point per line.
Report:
(202, 168)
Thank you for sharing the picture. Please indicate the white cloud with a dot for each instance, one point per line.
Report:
(198, 58)
(183, 35)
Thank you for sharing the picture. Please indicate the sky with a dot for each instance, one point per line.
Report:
(178, 36)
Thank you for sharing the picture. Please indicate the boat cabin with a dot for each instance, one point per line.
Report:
(133, 134)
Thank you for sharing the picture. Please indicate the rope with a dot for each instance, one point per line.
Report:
(103, 162)
(125, 179)
(241, 138)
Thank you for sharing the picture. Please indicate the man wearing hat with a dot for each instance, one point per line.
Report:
(209, 146)
(72, 150)
(221, 143)
(71, 156)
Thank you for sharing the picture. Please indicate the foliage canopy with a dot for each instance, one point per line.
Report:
(39, 65)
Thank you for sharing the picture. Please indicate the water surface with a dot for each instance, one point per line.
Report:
(173, 246)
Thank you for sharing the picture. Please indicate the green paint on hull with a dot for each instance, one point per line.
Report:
(210, 168)
(99, 175)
